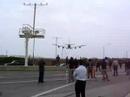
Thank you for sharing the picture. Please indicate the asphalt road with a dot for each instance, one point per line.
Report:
(24, 84)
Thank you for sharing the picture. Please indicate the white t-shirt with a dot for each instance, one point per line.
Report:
(80, 73)
(115, 63)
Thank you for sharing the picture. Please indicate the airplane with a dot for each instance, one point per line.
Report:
(69, 46)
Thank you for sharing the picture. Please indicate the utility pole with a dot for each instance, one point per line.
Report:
(56, 44)
(104, 49)
(127, 54)
(34, 20)
(6, 53)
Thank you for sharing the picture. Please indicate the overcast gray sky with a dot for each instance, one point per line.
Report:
(96, 23)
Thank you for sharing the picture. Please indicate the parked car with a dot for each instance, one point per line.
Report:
(14, 62)
(62, 65)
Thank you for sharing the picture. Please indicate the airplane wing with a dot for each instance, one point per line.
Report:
(78, 46)
(59, 45)
(70, 44)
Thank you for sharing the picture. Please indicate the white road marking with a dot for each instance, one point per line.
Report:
(18, 82)
(2, 77)
(128, 95)
(15, 82)
(122, 73)
(51, 90)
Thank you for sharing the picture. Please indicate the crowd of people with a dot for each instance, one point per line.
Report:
(98, 65)
(79, 70)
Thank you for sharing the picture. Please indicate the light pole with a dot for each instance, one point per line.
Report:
(104, 49)
(6, 53)
(34, 20)
(127, 54)
(56, 44)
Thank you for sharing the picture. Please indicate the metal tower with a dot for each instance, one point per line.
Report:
(34, 19)
(27, 32)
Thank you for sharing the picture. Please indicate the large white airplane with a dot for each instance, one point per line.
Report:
(69, 46)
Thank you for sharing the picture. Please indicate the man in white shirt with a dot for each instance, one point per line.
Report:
(80, 77)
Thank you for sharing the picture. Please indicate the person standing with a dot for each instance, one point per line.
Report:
(94, 69)
(128, 68)
(104, 69)
(58, 60)
(41, 65)
(90, 69)
(66, 61)
(115, 65)
(71, 69)
(80, 77)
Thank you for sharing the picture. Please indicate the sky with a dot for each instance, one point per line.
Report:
(97, 24)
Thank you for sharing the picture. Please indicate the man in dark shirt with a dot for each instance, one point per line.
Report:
(41, 65)
(58, 60)
(71, 69)
(104, 69)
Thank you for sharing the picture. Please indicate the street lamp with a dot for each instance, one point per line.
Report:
(104, 49)
(56, 44)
